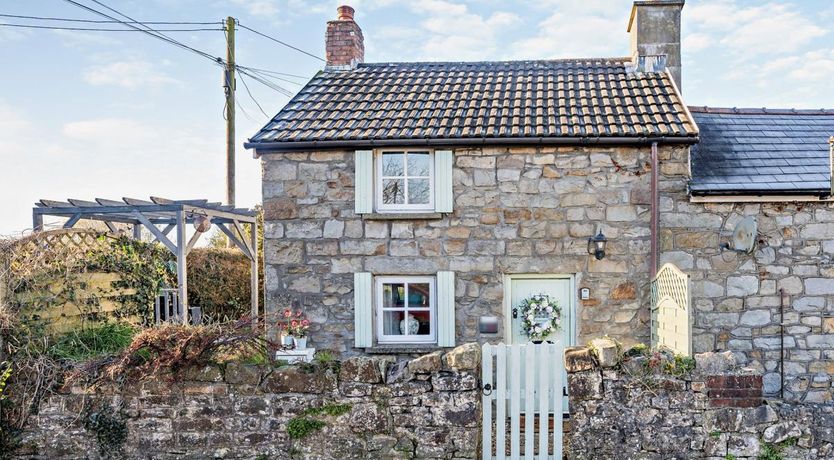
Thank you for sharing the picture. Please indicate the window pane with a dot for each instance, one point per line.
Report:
(418, 164)
(392, 164)
(392, 191)
(418, 191)
(423, 318)
(393, 295)
(392, 321)
(418, 295)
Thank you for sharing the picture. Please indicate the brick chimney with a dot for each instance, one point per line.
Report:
(655, 29)
(344, 43)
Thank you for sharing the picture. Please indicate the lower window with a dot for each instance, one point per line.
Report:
(405, 309)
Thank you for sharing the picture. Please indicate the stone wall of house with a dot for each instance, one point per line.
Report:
(357, 409)
(517, 210)
(716, 412)
(737, 297)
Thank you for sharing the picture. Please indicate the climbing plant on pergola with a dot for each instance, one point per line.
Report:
(162, 216)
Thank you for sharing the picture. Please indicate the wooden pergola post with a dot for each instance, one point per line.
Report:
(254, 296)
(182, 267)
(173, 215)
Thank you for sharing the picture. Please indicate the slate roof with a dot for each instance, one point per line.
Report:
(574, 98)
(762, 151)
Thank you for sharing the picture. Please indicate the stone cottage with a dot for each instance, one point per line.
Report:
(412, 206)
(774, 307)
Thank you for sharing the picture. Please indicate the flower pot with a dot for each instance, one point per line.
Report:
(286, 340)
(300, 342)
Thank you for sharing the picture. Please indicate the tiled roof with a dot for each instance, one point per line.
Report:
(762, 151)
(578, 98)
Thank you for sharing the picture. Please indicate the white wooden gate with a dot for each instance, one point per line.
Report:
(671, 315)
(522, 387)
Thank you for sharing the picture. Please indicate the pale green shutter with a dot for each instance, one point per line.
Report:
(364, 181)
(443, 161)
(362, 309)
(446, 309)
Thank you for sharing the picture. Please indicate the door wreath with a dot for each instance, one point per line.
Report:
(540, 316)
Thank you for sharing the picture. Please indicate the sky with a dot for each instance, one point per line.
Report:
(110, 114)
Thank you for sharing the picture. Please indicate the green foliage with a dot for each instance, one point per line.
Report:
(770, 452)
(325, 357)
(301, 427)
(110, 430)
(142, 267)
(44, 274)
(715, 434)
(774, 451)
(681, 365)
(640, 349)
(99, 340)
(729, 457)
(333, 410)
(219, 283)
(4, 377)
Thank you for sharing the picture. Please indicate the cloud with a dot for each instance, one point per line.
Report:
(78, 39)
(259, 7)
(107, 131)
(578, 29)
(812, 66)
(445, 30)
(128, 74)
(751, 31)
(696, 42)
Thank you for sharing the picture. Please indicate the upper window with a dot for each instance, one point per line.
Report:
(405, 309)
(404, 181)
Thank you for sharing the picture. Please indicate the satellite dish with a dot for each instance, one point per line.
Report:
(744, 235)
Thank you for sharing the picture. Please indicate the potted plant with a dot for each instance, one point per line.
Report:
(286, 334)
(298, 329)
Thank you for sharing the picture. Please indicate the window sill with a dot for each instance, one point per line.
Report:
(403, 216)
(402, 349)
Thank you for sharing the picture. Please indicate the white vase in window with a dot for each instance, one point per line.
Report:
(412, 328)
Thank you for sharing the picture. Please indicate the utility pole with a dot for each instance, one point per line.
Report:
(229, 87)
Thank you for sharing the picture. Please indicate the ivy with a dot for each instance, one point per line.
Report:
(109, 428)
(304, 425)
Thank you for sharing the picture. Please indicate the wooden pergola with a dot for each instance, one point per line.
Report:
(162, 216)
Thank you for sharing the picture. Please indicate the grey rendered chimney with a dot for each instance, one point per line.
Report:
(655, 29)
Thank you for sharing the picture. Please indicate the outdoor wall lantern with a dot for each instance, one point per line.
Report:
(596, 245)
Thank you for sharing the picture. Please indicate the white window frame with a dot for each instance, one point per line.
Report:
(378, 310)
(378, 180)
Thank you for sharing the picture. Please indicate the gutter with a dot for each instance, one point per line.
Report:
(748, 198)
(278, 147)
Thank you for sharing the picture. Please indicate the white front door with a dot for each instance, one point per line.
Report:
(561, 288)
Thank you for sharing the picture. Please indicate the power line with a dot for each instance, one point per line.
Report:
(91, 29)
(242, 80)
(279, 42)
(266, 82)
(147, 30)
(96, 21)
(278, 73)
(265, 75)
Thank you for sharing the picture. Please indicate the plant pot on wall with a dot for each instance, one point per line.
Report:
(300, 342)
(286, 340)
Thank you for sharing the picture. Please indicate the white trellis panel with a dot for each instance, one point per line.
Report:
(671, 310)
(529, 408)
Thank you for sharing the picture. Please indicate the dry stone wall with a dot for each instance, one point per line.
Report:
(517, 210)
(738, 298)
(363, 408)
(717, 412)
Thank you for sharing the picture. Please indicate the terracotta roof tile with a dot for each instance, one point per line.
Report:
(517, 99)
